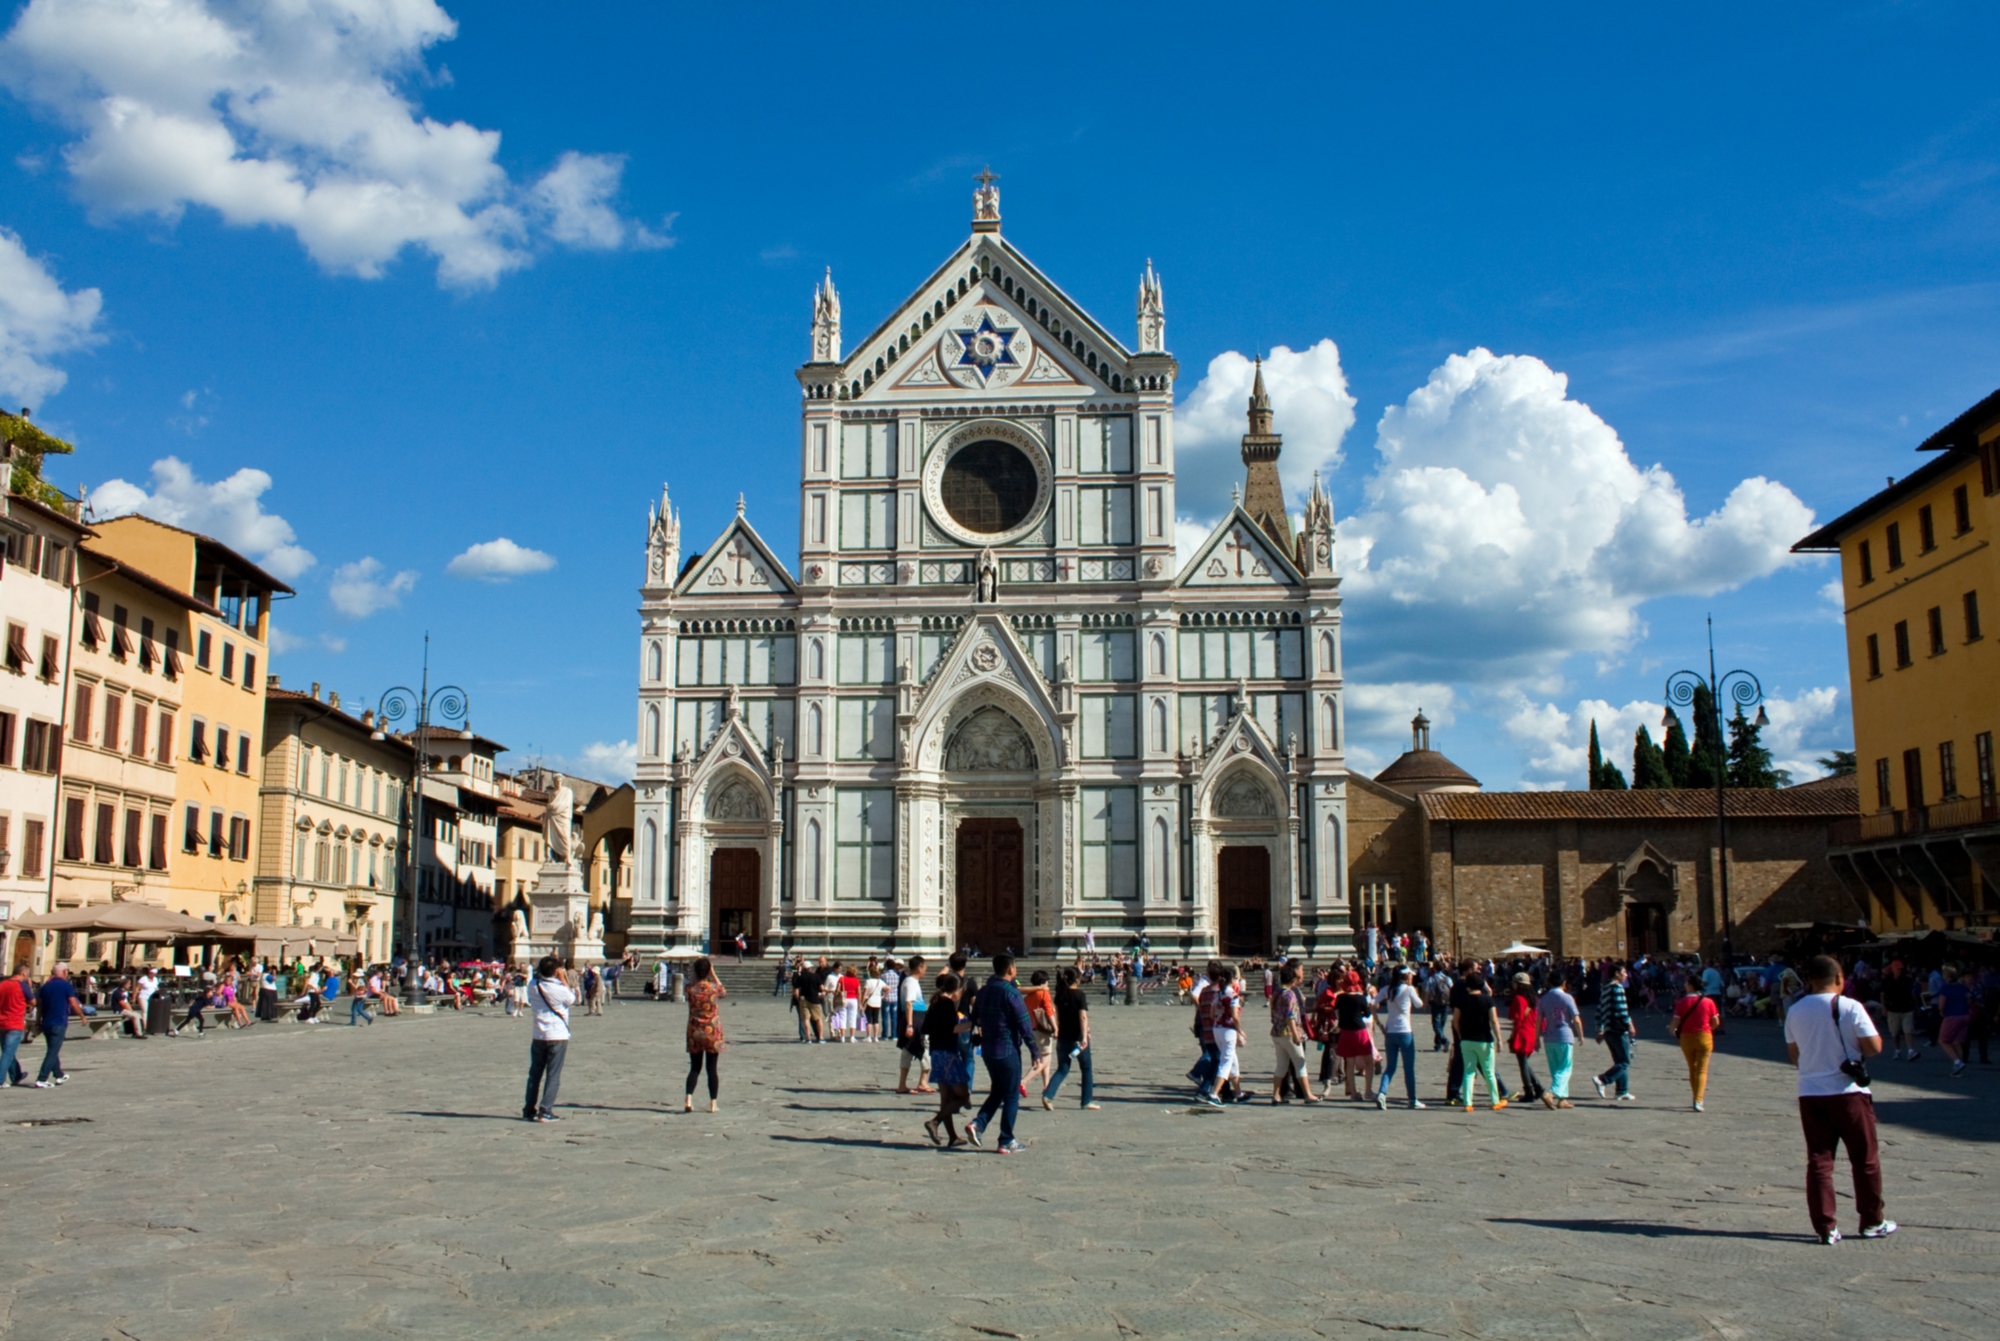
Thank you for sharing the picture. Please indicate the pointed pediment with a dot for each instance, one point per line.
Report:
(987, 661)
(1239, 554)
(738, 563)
(1242, 776)
(736, 754)
(987, 321)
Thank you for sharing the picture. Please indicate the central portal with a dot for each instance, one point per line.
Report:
(989, 885)
(733, 891)
(1244, 877)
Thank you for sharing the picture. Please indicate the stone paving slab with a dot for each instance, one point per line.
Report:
(326, 1182)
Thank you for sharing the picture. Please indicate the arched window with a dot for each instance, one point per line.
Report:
(812, 860)
(1159, 724)
(1156, 861)
(1159, 655)
(1326, 653)
(817, 668)
(815, 732)
(653, 661)
(1329, 724)
(652, 731)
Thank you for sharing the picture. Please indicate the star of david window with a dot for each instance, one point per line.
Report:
(989, 487)
(986, 347)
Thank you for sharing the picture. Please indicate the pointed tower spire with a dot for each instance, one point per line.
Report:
(1263, 494)
(663, 541)
(1315, 552)
(1152, 313)
(826, 321)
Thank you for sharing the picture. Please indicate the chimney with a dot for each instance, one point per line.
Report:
(315, 691)
(333, 699)
(271, 682)
(368, 717)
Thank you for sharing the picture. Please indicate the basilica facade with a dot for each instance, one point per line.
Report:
(989, 708)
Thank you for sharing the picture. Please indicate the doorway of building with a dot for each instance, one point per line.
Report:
(989, 885)
(1645, 929)
(733, 879)
(1243, 880)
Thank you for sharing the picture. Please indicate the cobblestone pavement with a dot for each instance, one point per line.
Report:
(295, 1182)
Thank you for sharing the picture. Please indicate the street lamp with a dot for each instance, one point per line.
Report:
(447, 703)
(1744, 690)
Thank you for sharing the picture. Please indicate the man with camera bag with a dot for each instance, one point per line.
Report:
(1830, 1039)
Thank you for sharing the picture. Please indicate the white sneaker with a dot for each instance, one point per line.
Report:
(43, 1085)
(1418, 1103)
(1881, 1231)
(1597, 1085)
(1382, 1102)
(1697, 1106)
(1831, 1237)
(1628, 1097)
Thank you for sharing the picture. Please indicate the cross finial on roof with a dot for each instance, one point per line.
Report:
(739, 505)
(986, 202)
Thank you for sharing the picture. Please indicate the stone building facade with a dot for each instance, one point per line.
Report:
(990, 708)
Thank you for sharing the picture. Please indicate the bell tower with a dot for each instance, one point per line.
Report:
(1263, 495)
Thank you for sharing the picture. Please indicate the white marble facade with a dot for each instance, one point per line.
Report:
(990, 708)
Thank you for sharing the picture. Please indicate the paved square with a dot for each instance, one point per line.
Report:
(295, 1182)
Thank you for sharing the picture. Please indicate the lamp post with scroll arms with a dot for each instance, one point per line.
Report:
(1744, 691)
(447, 703)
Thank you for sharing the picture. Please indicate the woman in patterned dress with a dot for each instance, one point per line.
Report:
(704, 1030)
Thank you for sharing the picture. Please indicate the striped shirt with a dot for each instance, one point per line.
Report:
(1614, 1016)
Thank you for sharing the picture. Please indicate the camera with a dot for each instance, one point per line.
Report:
(1856, 1070)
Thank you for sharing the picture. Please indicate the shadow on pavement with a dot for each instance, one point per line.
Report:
(1959, 1117)
(870, 1143)
(470, 1117)
(1649, 1229)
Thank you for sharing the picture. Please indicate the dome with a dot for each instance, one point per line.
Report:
(1422, 769)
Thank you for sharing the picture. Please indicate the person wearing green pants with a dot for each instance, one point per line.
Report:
(1477, 1020)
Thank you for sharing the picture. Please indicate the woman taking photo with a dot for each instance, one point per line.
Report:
(704, 1030)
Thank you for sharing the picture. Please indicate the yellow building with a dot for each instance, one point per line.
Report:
(1920, 579)
(219, 753)
(122, 718)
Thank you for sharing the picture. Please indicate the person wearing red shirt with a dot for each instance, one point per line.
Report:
(850, 1004)
(1695, 1017)
(1524, 1037)
(13, 1024)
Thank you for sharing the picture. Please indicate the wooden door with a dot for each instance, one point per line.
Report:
(1243, 879)
(989, 885)
(1645, 930)
(734, 877)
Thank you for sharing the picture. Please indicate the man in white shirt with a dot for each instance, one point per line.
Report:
(550, 997)
(1829, 1037)
(149, 984)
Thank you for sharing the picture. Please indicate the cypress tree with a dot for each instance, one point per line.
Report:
(1604, 775)
(1749, 762)
(1707, 758)
(1675, 754)
(1649, 763)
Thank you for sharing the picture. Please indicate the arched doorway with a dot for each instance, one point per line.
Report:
(1243, 902)
(990, 870)
(733, 893)
(1645, 930)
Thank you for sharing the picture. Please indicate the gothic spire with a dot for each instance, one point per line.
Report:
(1152, 313)
(1263, 493)
(826, 321)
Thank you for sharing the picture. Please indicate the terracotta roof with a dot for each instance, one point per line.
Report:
(1690, 803)
(1425, 766)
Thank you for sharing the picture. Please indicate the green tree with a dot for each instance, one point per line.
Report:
(1649, 763)
(1707, 757)
(1676, 751)
(31, 445)
(1839, 764)
(1749, 762)
(1604, 775)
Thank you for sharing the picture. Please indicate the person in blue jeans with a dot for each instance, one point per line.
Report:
(1072, 1038)
(55, 1001)
(1616, 1027)
(1004, 1027)
(15, 994)
(1399, 1041)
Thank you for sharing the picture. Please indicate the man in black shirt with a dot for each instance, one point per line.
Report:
(806, 999)
(1473, 1019)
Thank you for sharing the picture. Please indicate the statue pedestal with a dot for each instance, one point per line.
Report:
(559, 919)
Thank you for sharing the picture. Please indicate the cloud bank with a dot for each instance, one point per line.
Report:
(39, 323)
(230, 510)
(297, 115)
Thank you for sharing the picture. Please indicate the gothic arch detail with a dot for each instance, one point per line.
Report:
(989, 741)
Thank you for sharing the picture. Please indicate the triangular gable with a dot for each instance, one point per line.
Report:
(738, 563)
(985, 654)
(735, 750)
(987, 276)
(1242, 738)
(1238, 553)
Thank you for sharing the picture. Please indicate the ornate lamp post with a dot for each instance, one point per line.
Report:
(1744, 690)
(447, 703)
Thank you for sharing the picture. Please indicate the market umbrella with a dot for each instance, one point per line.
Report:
(1522, 948)
(143, 922)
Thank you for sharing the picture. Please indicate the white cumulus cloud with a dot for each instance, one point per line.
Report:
(1379, 715)
(39, 322)
(359, 589)
(1505, 527)
(1311, 407)
(231, 510)
(499, 560)
(298, 115)
(1555, 743)
(613, 762)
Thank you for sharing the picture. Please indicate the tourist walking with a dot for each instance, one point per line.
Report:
(15, 990)
(1288, 1037)
(1830, 1039)
(357, 1006)
(1399, 1003)
(1524, 1036)
(1004, 1029)
(1072, 1039)
(871, 1001)
(1899, 1009)
(54, 1003)
(1354, 1039)
(1475, 1018)
(910, 1032)
(704, 1037)
(1225, 1020)
(550, 997)
(1562, 1025)
(1615, 1030)
(1954, 1003)
(1437, 995)
(941, 1026)
(807, 994)
(1694, 1020)
(1041, 1003)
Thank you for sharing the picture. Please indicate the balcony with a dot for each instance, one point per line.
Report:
(1963, 813)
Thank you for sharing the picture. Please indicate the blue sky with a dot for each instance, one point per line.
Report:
(447, 276)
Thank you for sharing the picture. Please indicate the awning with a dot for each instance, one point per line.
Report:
(272, 938)
(134, 921)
